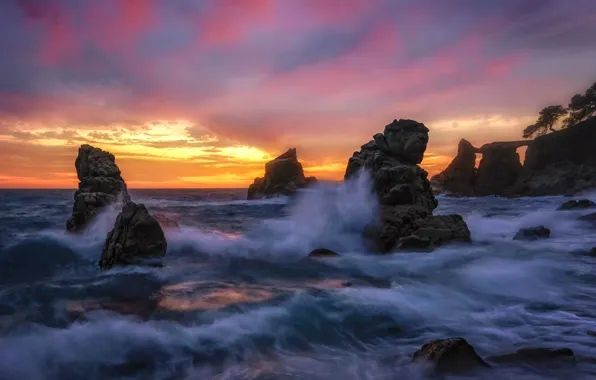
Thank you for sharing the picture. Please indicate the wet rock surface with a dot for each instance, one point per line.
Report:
(449, 356)
(100, 185)
(577, 205)
(532, 233)
(402, 188)
(136, 236)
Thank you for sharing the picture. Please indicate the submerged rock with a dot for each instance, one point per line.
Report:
(283, 176)
(577, 205)
(100, 185)
(458, 178)
(588, 218)
(437, 230)
(532, 233)
(402, 188)
(136, 236)
(535, 356)
(323, 252)
(449, 356)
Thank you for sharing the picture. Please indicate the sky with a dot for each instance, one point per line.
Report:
(201, 93)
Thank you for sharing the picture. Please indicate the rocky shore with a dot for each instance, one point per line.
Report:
(559, 163)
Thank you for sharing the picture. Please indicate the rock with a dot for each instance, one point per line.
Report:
(535, 355)
(323, 252)
(593, 252)
(165, 221)
(283, 176)
(136, 236)
(406, 139)
(437, 230)
(576, 205)
(561, 162)
(499, 169)
(100, 185)
(532, 233)
(458, 178)
(401, 186)
(449, 356)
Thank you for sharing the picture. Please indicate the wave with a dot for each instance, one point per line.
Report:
(326, 216)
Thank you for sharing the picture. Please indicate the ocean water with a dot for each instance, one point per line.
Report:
(237, 297)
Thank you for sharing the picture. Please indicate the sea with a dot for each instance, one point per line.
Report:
(237, 296)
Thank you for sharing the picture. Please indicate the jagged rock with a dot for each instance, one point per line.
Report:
(100, 185)
(449, 356)
(534, 356)
(458, 178)
(575, 205)
(437, 230)
(136, 236)
(588, 218)
(402, 188)
(283, 176)
(532, 233)
(323, 252)
(165, 221)
(499, 169)
(561, 162)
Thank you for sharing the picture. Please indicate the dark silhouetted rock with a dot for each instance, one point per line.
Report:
(499, 169)
(588, 218)
(562, 162)
(100, 185)
(532, 233)
(577, 205)
(323, 252)
(166, 221)
(402, 188)
(449, 356)
(136, 236)
(535, 356)
(283, 176)
(437, 230)
(593, 252)
(458, 178)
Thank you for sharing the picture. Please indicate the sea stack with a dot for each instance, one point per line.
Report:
(459, 176)
(403, 190)
(100, 185)
(283, 176)
(136, 236)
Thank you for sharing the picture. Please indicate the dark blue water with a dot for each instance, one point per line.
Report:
(238, 299)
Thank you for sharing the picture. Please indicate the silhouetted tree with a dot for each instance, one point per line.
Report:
(582, 107)
(547, 118)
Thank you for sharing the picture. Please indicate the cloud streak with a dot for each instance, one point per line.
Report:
(242, 80)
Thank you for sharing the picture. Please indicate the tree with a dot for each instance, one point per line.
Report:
(547, 118)
(582, 107)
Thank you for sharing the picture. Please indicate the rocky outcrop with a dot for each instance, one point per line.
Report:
(577, 205)
(499, 168)
(165, 221)
(323, 252)
(455, 356)
(449, 356)
(561, 162)
(100, 185)
(283, 176)
(458, 177)
(136, 236)
(535, 356)
(532, 233)
(403, 190)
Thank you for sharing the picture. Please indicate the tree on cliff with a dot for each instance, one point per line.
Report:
(582, 107)
(547, 118)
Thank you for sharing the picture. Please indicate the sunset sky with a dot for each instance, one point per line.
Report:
(201, 93)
